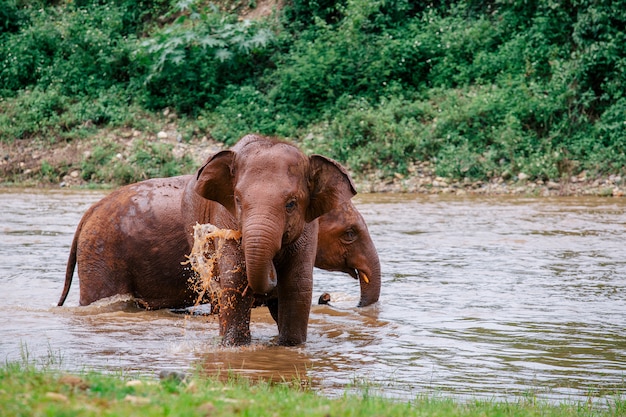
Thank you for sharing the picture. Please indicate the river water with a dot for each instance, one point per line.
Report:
(491, 298)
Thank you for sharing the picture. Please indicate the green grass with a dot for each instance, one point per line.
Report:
(28, 391)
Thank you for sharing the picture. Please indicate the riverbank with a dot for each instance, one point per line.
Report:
(422, 180)
(26, 391)
(35, 164)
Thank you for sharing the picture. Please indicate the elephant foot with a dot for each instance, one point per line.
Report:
(231, 339)
(290, 340)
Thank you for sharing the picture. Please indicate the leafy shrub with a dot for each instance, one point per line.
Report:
(52, 114)
(193, 60)
(530, 116)
(109, 162)
(477, 88)
(136, 15)
(11, 17)
(80, 51)
(360, 55)
(386, 135)
(101, 158)
(600, 53)
(303, 13)
(155, 160)
(607, 154)
(33, 112)
(25, 56)
(244, 110)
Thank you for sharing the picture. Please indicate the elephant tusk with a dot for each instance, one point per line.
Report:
(362, 274)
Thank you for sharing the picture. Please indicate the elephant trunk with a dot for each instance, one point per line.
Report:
(369, 280)
(261, 243)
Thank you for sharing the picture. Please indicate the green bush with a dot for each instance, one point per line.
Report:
(359, 56)
(110, 163)
(384, 135)
(156, 160)
(244, 110)
(607, 154)
(52, 115)
(193, 60)
(67, 71)
(77, 51)
(506, 85)
(28, 54)
(11, 17)
(136, 15)
(600, 54)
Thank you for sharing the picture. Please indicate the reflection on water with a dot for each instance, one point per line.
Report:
(493, 297)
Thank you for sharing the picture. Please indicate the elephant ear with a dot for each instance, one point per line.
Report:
(330, 186)
(214, 180)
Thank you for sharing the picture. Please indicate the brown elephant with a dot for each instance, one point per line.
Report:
(134, 240)
(273, 193)
(344, 244)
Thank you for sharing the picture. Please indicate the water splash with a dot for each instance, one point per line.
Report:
(208, 248)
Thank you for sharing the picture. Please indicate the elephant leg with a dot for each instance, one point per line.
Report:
(295, 291)
(235, 301)
(234, 317)
(294, 304)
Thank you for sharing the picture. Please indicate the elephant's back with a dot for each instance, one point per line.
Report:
(136, 215)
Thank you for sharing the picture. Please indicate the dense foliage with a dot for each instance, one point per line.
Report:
(481, 89)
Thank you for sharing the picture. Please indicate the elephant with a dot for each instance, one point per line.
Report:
(345, 245)
(271, 192)
(134, 240)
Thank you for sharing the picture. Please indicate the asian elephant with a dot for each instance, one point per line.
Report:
(134, 240)
(344, 244)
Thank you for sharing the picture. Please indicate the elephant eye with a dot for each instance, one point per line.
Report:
(350, 235)
(290, 206)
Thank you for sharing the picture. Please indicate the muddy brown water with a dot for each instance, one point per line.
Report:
(482, 297)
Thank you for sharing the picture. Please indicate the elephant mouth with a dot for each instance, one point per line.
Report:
(358, 275)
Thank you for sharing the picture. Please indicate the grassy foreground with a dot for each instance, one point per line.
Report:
(27, 391)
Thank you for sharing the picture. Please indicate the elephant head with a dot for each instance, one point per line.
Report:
(345, 245)
(273, 190)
